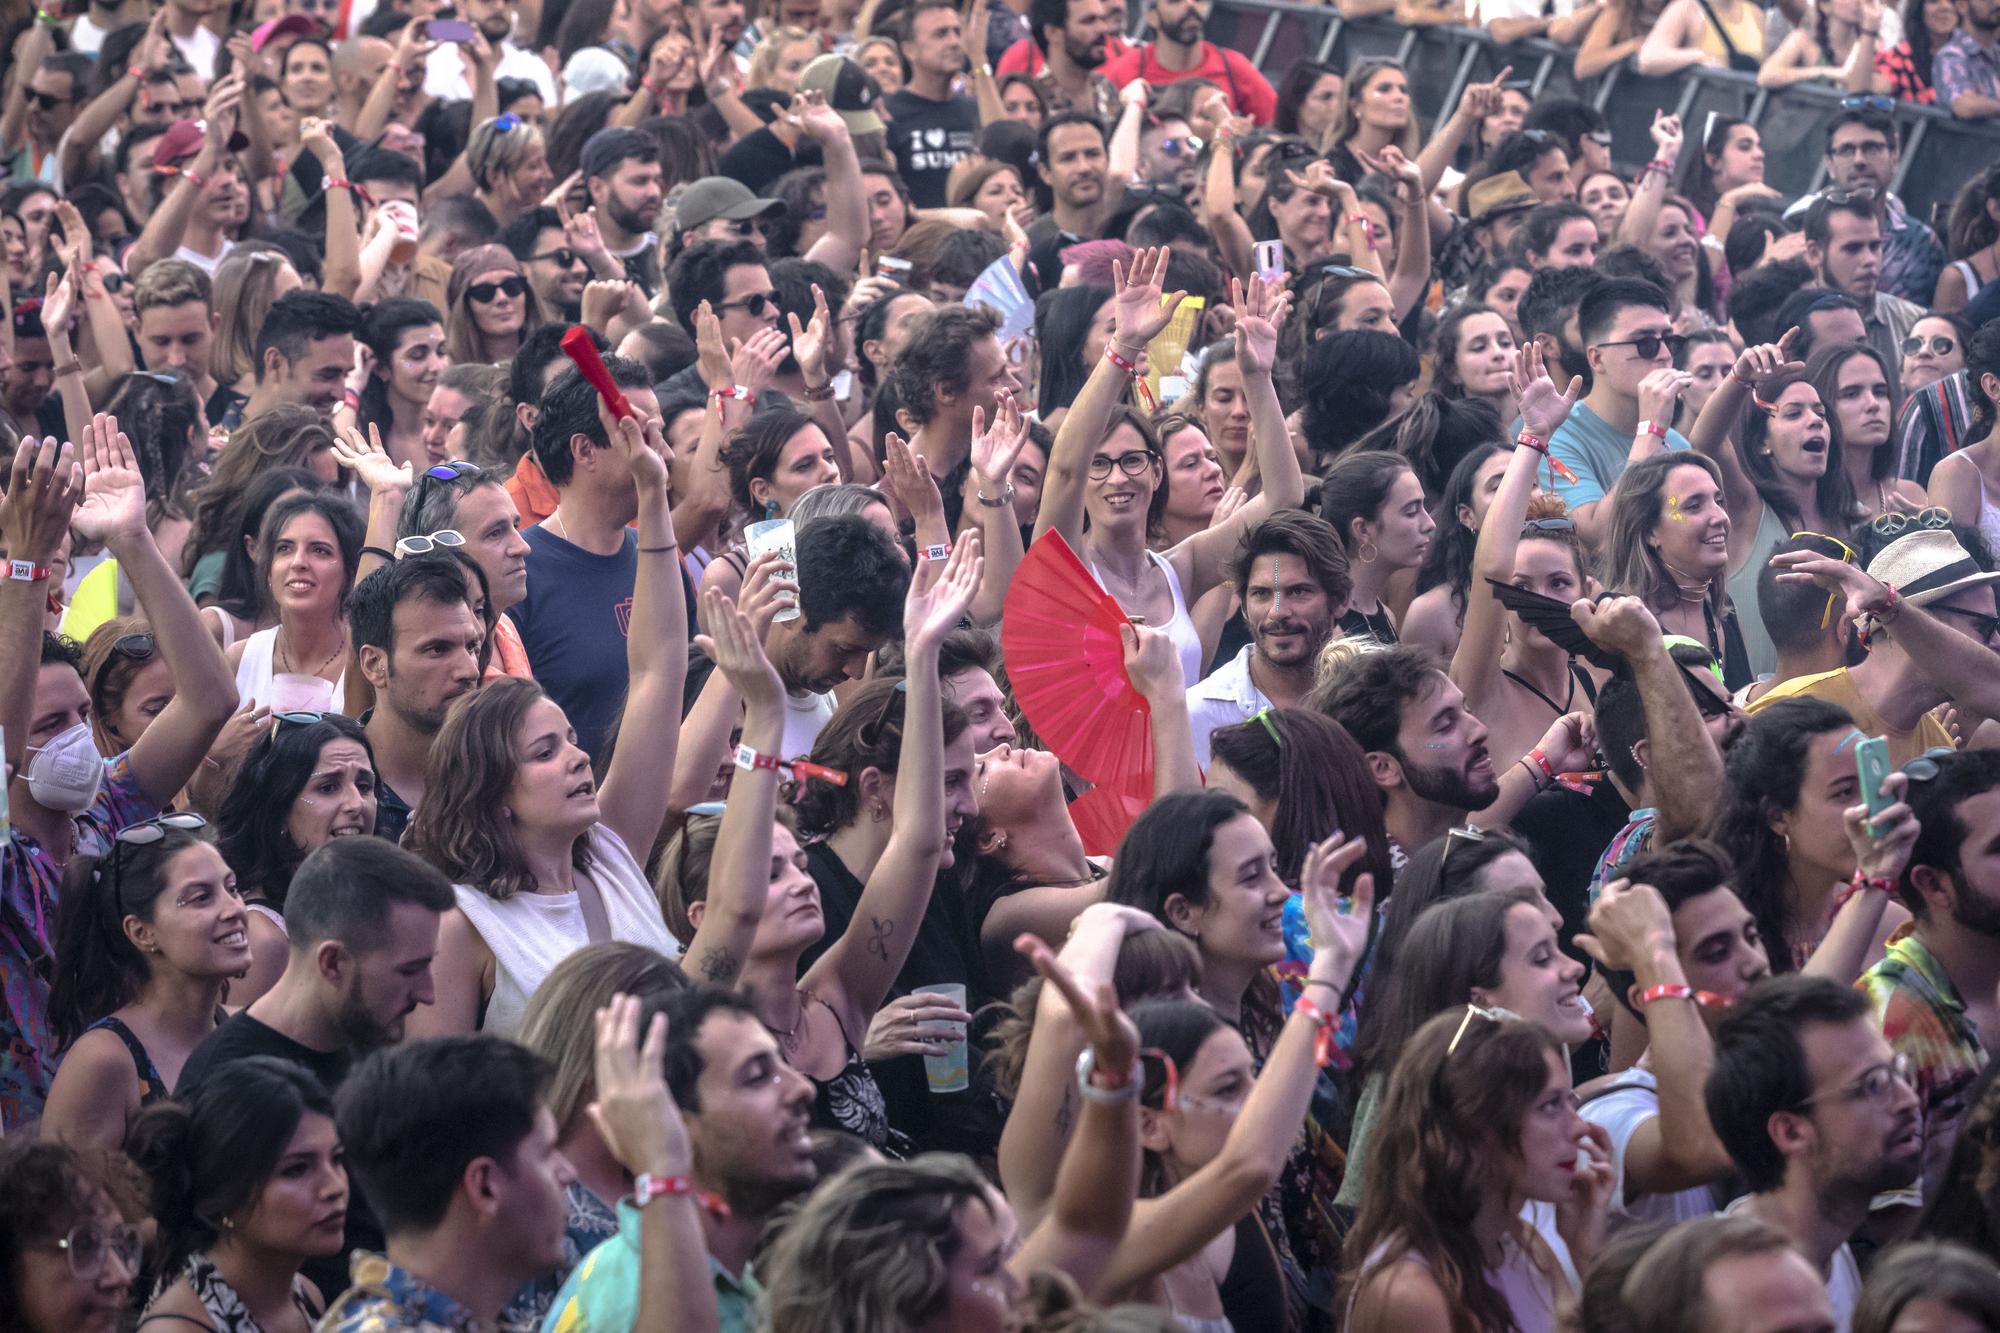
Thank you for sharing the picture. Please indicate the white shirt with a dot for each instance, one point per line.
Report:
(1224, 697)
(206, 263)
(447, 75)
(805, 714)
(1843, 1277)
(1485, 11)
(1634, 1100)
(201, 51)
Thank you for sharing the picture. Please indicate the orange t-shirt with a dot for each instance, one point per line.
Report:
(532, 492)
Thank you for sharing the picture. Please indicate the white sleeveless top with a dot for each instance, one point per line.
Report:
(254, 668)
(530, 933)
(1989, 513)
(1186, 639)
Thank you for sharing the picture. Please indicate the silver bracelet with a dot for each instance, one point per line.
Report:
(1006, 497)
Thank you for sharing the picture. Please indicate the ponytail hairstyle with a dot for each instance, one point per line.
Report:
(1152, 965)
(101, 969)
(208, 1154)
(1317, 777)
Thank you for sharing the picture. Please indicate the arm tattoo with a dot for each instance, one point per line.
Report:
(880, 929)
(718, 966)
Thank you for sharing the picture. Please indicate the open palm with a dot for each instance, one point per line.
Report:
(114, 492)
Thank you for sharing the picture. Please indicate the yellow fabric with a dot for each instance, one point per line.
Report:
(1746, 30)
(96, 601)
(1837, 687)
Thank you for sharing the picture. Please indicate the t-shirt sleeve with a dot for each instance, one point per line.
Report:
(1621, 1113)
(1259, 98)
(1588, 488)
(1016, 59)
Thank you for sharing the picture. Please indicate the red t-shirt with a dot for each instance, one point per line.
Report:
(1248, 92)
(1024, 57)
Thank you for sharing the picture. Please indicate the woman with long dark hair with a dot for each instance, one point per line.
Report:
(1073, 325)
(310, 779)
(247, 1185)
(1859, 387)
(1376, 504)
(149, 936)
(1354, 381)
(1669, 547)
(1967, 482)
(1479, 1123)
(1308, 101)
(490, 307)
(406, 338)
(307, 553)
(1437, 617)
(1903, 71)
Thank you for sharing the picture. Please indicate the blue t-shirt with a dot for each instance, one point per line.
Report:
(1595, 450)
(574, 623)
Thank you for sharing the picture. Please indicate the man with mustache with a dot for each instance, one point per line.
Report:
(1844, 246)
(1818, 1114)
(1072, 36)
(1178, 51)
(361, 922)
(1937, 987)
(1292, 578)
(1428, 754)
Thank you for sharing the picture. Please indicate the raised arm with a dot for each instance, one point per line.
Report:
(1038, 1128)
(859, 968)
(1122, 157)
(114, 512)
(989, 502)
(1478, 101)
(634, 794)
(101, 114)
(1880, 856)
(35, 45)
(1631, 930)
(412, 50)
(1139, 312)
(58, 306)
(162, 233)
(1857, 72)
(1636, 227)
(1154, 667)
(387, 481)
(1202, 561)
(739, 874)
(705, 732)
(42, 493)
(1475, 667)
(1099, 1174)
(1412, 278)
(1171, 1229)
(343, 231)
(1682, 760)
(840, 246)
(1217, 205)
(810, 344)
(104, 325)
(1711, 434)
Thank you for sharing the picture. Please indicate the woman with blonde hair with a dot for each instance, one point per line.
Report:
(246, 284)
(128, 681)
(780, 58)
(561, 1026)
(509, 164)
(491, 307)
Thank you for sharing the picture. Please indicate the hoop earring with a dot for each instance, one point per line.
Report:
(1368, 553)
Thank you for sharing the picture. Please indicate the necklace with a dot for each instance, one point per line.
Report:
(290, 666)
(788, 1038)
(1698, 588)
(562, 528)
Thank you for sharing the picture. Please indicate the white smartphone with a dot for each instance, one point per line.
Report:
(1270, 256)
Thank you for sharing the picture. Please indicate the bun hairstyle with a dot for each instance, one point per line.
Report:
(207, 1154)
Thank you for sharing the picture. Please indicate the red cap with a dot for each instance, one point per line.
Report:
(182, 140)
(263, 34)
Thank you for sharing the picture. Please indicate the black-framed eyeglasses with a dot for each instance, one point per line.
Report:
(1647, 346)
(1848, 151)
(1925, 766)
(1986, 628)
(86, 1247)
(485, 293)
(1546, 527)
(1132, 464)
(562, 257)
(1940, 345)
(753, 305)
(1873, 1083)
(424, 543)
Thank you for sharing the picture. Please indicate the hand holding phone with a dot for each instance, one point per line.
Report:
(1871, 762)
(448, 30)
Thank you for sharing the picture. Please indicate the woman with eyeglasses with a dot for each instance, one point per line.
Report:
(405, 336)
(70, 1245)
(247, 1185)
(128, 680)
(309, 779)
(1967, 482)
(307, 553)
(149, 936)
(1487, 1193)
(1858, 385)
(1934, 350)
(1783, 817)
(509, 165)
(1219, 1126)
(1107, 470)
(491, 307)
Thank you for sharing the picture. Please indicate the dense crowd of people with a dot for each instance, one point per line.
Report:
(886, 668)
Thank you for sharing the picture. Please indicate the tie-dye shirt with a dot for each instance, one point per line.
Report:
(30, 883)
(1923, 1017)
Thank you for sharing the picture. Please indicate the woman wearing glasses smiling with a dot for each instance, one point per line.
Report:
(491, 309)
(69, 1239)
(149, 936)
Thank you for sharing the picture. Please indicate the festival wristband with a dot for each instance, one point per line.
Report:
(1676, 991)
(749, 760)
(936, 552)
(1006, 498)
(821, 394)
(27, 571)
(647, 1187)
(1321, 1019)
(1656, 429)
(736, 391)
(1111, 354)
(1536, 759)
(1861, 883)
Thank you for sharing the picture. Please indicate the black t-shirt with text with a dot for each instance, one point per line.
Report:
(929, 138)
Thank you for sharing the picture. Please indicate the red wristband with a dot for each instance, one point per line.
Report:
(1111, 354)
(1671, 991)
(749, 760)
(1535, 442)
(646, 1188)
(1321, 1019)
(190, 174)
(736, 391)
(1541, 761)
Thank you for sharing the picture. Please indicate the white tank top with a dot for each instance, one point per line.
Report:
(1186, 638)
(530, 933)
(254, 668)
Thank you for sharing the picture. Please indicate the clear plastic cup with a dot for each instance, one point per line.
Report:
(780, 535)
(950, 1072)
(301, 694)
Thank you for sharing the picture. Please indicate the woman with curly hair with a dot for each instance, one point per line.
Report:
(70, 1244)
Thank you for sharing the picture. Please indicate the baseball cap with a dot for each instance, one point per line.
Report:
(264, 34)
(604, 150)
(183, 139)
(715, 197)
(596, 70)
(849, 89)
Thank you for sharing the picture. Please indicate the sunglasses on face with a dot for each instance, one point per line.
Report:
(46, 101)
(485, 293)
(1186, 147)
(1940, 345)
(1132, 464)
(562, 257)
(753, 305)
(1647, 346)
(1865, 196)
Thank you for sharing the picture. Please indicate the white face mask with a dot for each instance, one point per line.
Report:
(65, 774)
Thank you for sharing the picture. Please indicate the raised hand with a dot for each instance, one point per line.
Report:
(1629, 923)
(754, 361)
(1113, 1037)
(733, 644)
(368, 460)
(639, 444)
(633, 1109)
(1339, 922)
(1762, 364)
(1481, 100)
(1139, 310)
(75, 248)
(809, 341)
(1882, 846)
(41, 497)
(770, 585)
(1580, 1216)
(1152, 663)
(1542, 408)
(995, 447)
(225, 103)
(1569, 742)
(1659, 391)
(718, 67)
(1865, 594)
(1260, 312)
(1319, 179)
(1233, 499)
(1390, 162)
(811, 113)
(908, 480)
(114, 493)
(1666, 132)
(59, 305)
(935, 605)
(580, 230)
